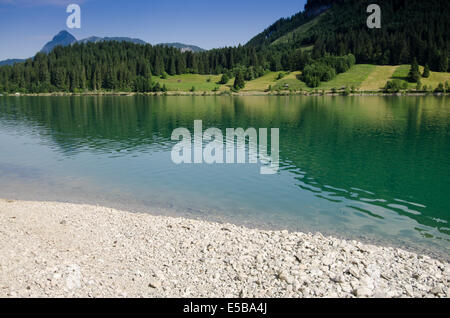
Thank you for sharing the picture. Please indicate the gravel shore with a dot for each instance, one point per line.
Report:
(67, 250)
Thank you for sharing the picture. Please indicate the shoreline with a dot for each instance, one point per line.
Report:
(228, 93)
(72, 250)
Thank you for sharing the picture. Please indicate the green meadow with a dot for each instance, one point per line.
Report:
(186, 82)
(364, 77)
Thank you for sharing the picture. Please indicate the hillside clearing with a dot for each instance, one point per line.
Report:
(185, 82)
(262, 83)
(300, 31)
(353, 77)
(365, 77)
(378, 78)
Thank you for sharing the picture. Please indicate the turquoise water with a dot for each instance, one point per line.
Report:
(369, 168)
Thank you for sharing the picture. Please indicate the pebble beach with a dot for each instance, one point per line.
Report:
(53, 249)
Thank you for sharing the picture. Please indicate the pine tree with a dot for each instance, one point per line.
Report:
(159, 65)
(181, 65)
(414, 75)
(83, 79)
(172, 68)
(94, 82)
(443, 63)
(225, 78)
(426, 71)
(239, 82)
(419, 86)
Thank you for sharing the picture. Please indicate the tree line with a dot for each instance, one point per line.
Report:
(326, 68)
(123, 66)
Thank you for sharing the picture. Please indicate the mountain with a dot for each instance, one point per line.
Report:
(180, 46)
(286, 25)
(63, 38)
(410, 29)
(11, 61)
(184, 47)
(95, 39)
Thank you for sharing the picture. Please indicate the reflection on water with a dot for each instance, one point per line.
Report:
(372, 167)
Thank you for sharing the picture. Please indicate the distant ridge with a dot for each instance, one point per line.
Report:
(96, 39)
(184, 47)
(11, 61)
(64, 38)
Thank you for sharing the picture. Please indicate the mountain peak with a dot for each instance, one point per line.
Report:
(63, 33)
(63, 38)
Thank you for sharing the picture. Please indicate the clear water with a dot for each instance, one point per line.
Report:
(369, 168)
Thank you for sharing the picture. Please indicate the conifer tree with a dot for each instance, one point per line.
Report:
(239, 82)
(225, 78)
(172, 68)
(426, 71)
(159, 65)
(414, 75)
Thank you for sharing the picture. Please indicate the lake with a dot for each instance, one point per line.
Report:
(370, 168)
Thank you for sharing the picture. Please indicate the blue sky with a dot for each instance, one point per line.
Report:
(26, 25)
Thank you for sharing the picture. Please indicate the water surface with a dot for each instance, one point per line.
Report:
(370, 168)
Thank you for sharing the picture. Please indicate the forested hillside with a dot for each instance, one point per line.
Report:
(410, 29)
(285, 25)
(123, 66)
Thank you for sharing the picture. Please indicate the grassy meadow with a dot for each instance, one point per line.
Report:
(364, 77)
(185, 82)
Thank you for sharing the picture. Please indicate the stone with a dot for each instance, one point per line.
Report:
(363, 292)
(73, 279)
(437, 290)
(409, 290)
(367, 282)
(259, 258)
(379, 294)
(373, 271)
(283, 276)
(327, 261)
(154, 283)
(337, 278)
(353, 272)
